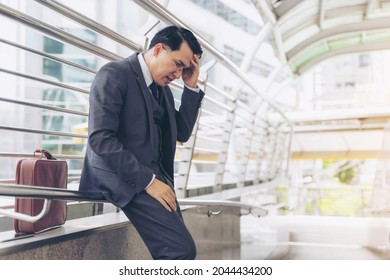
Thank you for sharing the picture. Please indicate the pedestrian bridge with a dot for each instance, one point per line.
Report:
(248, 180)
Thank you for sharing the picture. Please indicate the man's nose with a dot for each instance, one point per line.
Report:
(177, 74)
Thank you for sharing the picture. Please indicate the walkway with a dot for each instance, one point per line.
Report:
(315, 238)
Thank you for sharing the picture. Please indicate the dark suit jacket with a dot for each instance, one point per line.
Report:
(119, 153)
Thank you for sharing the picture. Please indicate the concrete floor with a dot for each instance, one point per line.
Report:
(315, 238)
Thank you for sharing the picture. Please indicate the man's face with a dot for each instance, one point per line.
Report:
(168, 65)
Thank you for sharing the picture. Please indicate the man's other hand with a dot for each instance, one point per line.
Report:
(163, 194)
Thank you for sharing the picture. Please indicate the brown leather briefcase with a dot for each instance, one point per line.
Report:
(45, 171)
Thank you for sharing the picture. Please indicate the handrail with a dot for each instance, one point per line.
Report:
(29, 155)
(162, 13)
(49, 56)
(94, 25)
(45, 81)
(28, 218)
(253, 209)
(42, 106)
(48, 193)
(46, 132)
(159, 11)
(56, 32)
(235, 113)
(25, 191)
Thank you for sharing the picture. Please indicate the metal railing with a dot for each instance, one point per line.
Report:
(49, 194)
(205, 161)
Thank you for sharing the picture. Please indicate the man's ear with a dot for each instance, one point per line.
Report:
(157, 49)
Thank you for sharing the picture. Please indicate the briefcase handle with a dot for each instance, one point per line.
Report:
(44, 152)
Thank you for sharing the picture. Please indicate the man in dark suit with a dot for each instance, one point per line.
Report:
(133, 129)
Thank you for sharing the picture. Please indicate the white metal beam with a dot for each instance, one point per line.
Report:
(376, 46)
(321, 14)
(373, 24)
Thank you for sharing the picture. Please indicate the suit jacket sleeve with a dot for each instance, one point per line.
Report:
(108, 93)
(187, 114)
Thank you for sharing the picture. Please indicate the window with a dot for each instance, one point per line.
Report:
(364, 60)
(231, 16)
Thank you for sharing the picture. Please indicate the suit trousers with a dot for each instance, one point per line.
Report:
(163, 232)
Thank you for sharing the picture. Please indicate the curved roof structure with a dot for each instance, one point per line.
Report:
(309, 31)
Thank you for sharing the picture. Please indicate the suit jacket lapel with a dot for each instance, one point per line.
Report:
(168, 99)
(145, 92)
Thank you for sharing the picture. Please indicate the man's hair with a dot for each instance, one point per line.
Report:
(173, 37)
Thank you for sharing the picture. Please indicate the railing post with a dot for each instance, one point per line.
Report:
(185, 162)
(246, 152)
(225, 142)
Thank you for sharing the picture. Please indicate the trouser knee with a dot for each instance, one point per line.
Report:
(187, 252)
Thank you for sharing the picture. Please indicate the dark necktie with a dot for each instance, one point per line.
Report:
(154, 89)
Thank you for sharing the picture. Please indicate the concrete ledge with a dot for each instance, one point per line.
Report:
(112, 236)
(85, 238)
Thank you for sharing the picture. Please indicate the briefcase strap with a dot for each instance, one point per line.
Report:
(44, 152)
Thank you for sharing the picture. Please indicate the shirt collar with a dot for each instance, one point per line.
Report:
(145, 71)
